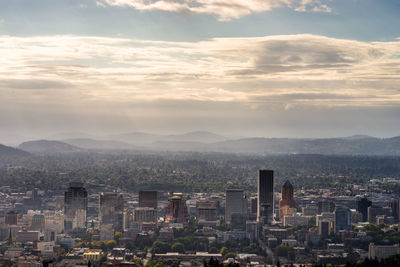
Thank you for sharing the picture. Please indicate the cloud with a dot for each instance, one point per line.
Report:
(225, 10)
(219, 82)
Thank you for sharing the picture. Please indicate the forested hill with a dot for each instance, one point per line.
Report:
(6, 152)
(198, 172)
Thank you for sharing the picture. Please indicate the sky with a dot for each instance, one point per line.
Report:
(272, 68)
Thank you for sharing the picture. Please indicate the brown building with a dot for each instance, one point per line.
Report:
(11, 218)
(287, 205)
(148, 199)
(176, 210)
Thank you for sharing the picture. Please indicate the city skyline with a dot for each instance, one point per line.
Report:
(248, 68)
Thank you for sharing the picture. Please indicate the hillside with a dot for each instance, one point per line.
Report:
(93, 144)
(48, 147)
(6, 152)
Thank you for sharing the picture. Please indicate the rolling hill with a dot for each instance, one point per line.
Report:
(48, 147)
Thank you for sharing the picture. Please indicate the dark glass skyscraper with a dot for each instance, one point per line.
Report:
(362, 207)
(75, 207)
(265, 190)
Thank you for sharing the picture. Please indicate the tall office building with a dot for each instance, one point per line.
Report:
(265, 190)
(342, 218)
(75, 207)
(394, 205)
(235, 203)
(11, 218)
(111, 210)
(287, 205)
(148, 199)
(362, 207)
(176, 210)
(325, 205)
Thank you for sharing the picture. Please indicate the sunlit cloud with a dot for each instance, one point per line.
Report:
(224, 9)
(221, 78)
(220, 69)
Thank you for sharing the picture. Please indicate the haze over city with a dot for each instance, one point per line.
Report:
(200, 133)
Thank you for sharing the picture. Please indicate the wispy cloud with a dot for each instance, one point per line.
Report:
(224, 9)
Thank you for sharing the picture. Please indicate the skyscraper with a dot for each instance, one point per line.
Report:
(176, 210)
(75, 207)
(287, 205)
(362, 207)
(235, 203)
(111, 210)
(265, 190)
(342, 218)
(148, 199)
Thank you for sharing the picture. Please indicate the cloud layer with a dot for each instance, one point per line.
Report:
(96, 81)
(223, 9)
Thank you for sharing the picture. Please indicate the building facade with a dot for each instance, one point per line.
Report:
(235, 203)
(148, 199)
(111, 210)
(342, 218)
(287, 205)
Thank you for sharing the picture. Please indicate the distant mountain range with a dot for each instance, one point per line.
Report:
(202, 141)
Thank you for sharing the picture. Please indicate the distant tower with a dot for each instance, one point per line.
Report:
(287, 205)
(342, 218)
(265, 189)
(235, 203)
(111, 210)
(75, 207)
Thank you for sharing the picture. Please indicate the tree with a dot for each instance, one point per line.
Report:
(160, 247)
(229, 255)
(117, 236)
(111, 244)
(224, 250)
(282, 250)
(213, 250)
(178, 247)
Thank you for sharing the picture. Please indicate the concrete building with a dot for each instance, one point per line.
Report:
(206, 210)
(27, 236)
(265, 190)
(145, 214)
(342, 218)
(111, 210)
(295, 220)
(325, 206)
(38, 222)
(382, 252)
(235, 203)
